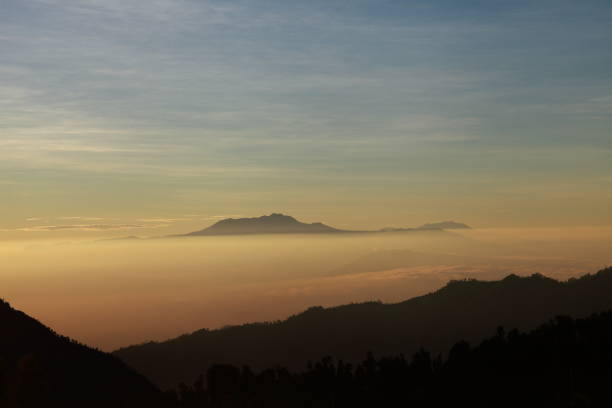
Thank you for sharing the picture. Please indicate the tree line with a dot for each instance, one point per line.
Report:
(563, 363)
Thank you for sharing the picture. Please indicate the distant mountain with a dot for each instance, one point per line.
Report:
(445, 225)
(39, 368)
(285, 224)
(467, 310)
(267, 224)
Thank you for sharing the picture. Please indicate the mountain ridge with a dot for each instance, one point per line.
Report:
(468, 309)
(278, 223)
(445, 225)
(274, 223)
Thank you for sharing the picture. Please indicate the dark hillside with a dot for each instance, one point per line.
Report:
(39, 368)
(562, 363)
(461, 310)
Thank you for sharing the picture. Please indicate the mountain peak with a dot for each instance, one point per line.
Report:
(445, 225)
(275, 223)
(279, 223)
(274, 217)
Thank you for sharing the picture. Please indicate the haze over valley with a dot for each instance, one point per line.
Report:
(110, 294)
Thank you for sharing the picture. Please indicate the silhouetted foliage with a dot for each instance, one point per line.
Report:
(467, 309)
(563, 363)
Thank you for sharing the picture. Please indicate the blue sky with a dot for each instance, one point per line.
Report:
(127, 109)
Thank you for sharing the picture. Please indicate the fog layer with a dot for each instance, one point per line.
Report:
(115, 293)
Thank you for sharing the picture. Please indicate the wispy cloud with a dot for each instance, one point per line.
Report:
(216, 99)
(81, 218)
(76, 140)
(220, 217)
(162, 220)
(82, 227)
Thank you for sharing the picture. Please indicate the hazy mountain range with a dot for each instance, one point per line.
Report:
(267, 224)
(461, 310)
(285, 224)
(444, 225)
(564, 362)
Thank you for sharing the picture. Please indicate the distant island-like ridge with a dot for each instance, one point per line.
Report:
(267, 224)
(278, 223)
(445, 225)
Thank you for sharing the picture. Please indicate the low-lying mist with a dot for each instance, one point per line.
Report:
(114, 293)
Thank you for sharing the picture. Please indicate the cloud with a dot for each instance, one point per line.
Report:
(158, 11)
(163, 220)
(81, 218)
(246, 96)
(82, 227)
(80, 140)
(219, 217)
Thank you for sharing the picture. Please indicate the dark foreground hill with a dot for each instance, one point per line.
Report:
(39, 368)
(563, 363)
(467, 310)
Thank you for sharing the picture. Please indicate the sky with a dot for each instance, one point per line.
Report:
(147, 117)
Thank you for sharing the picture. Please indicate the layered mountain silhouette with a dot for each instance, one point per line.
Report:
(467, 310)
(285, 224)
(39, 368)
(267, 224)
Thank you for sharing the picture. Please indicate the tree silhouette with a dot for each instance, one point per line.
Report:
(563, 363)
